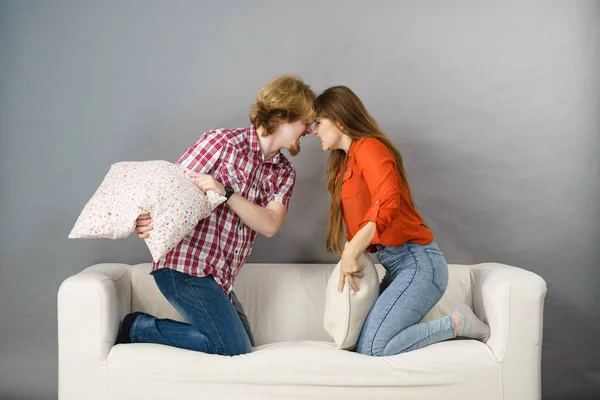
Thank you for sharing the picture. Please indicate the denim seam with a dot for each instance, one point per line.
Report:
(135, 321)
(425, 338)
(372, 340)
(247, 329)
(432, 270)
(174, 288)
(207, 315)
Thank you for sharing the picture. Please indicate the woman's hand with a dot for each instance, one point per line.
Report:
(349, 269)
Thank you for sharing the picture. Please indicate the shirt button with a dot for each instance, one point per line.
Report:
(237, 251)
(240, 228)
(377, 202)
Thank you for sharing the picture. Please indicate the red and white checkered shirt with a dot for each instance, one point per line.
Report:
(221, 243)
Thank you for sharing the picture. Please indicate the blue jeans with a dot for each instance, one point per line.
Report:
(415, 280)
(217, 325)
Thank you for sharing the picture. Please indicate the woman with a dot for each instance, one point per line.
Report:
(371, 197)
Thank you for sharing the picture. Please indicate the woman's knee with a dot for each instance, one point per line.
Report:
(373, 347)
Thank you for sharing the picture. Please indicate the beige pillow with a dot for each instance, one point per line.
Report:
(159, 188)
(346, 312)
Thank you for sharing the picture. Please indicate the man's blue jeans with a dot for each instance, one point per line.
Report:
(217, 325)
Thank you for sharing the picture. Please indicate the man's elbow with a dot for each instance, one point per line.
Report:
(272, 230)
(275, 221)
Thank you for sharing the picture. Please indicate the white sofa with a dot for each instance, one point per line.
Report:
(293, 358)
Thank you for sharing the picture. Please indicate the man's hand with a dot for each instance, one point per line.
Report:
(349, 268)
(143, 226)
(207, 182)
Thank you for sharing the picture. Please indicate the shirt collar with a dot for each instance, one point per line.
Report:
(352, 149)
(255, 147)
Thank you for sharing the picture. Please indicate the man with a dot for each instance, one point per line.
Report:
(245, 166)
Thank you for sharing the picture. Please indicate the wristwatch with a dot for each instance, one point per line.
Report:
(228, 192)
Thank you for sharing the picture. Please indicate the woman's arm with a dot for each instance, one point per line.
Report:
(350, 267)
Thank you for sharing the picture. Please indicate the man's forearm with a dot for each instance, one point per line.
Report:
(256, 217)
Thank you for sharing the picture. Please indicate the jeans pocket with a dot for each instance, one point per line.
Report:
(395, 259)
(159, 271)
(439, 268)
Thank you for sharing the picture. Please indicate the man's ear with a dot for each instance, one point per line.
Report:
(277, 122)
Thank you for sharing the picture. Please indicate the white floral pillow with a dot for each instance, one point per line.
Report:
(159, 188)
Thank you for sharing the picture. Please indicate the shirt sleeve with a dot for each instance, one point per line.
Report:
(378, 167)
(203, 155)
(284, 187)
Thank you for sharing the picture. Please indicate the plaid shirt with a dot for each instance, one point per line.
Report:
(221, 243)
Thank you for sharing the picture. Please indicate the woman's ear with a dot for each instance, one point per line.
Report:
(340, 127)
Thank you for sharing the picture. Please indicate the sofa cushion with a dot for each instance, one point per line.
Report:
(286, 302)
(458, 292)
(155, 370)
(146, 297)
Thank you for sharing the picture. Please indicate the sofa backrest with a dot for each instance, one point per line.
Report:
(286, 302)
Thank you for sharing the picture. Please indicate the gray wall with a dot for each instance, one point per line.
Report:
(495, 108)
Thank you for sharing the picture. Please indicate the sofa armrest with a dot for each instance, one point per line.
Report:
(511, 301)
(91, 305)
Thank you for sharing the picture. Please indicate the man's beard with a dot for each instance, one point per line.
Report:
(294, 149)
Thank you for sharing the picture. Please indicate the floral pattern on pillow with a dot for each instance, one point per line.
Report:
(159, 188)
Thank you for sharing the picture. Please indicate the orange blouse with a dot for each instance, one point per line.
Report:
(373, 190)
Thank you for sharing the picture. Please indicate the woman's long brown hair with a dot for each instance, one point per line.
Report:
(340, 105)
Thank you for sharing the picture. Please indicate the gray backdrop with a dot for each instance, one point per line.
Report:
(495, 107)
